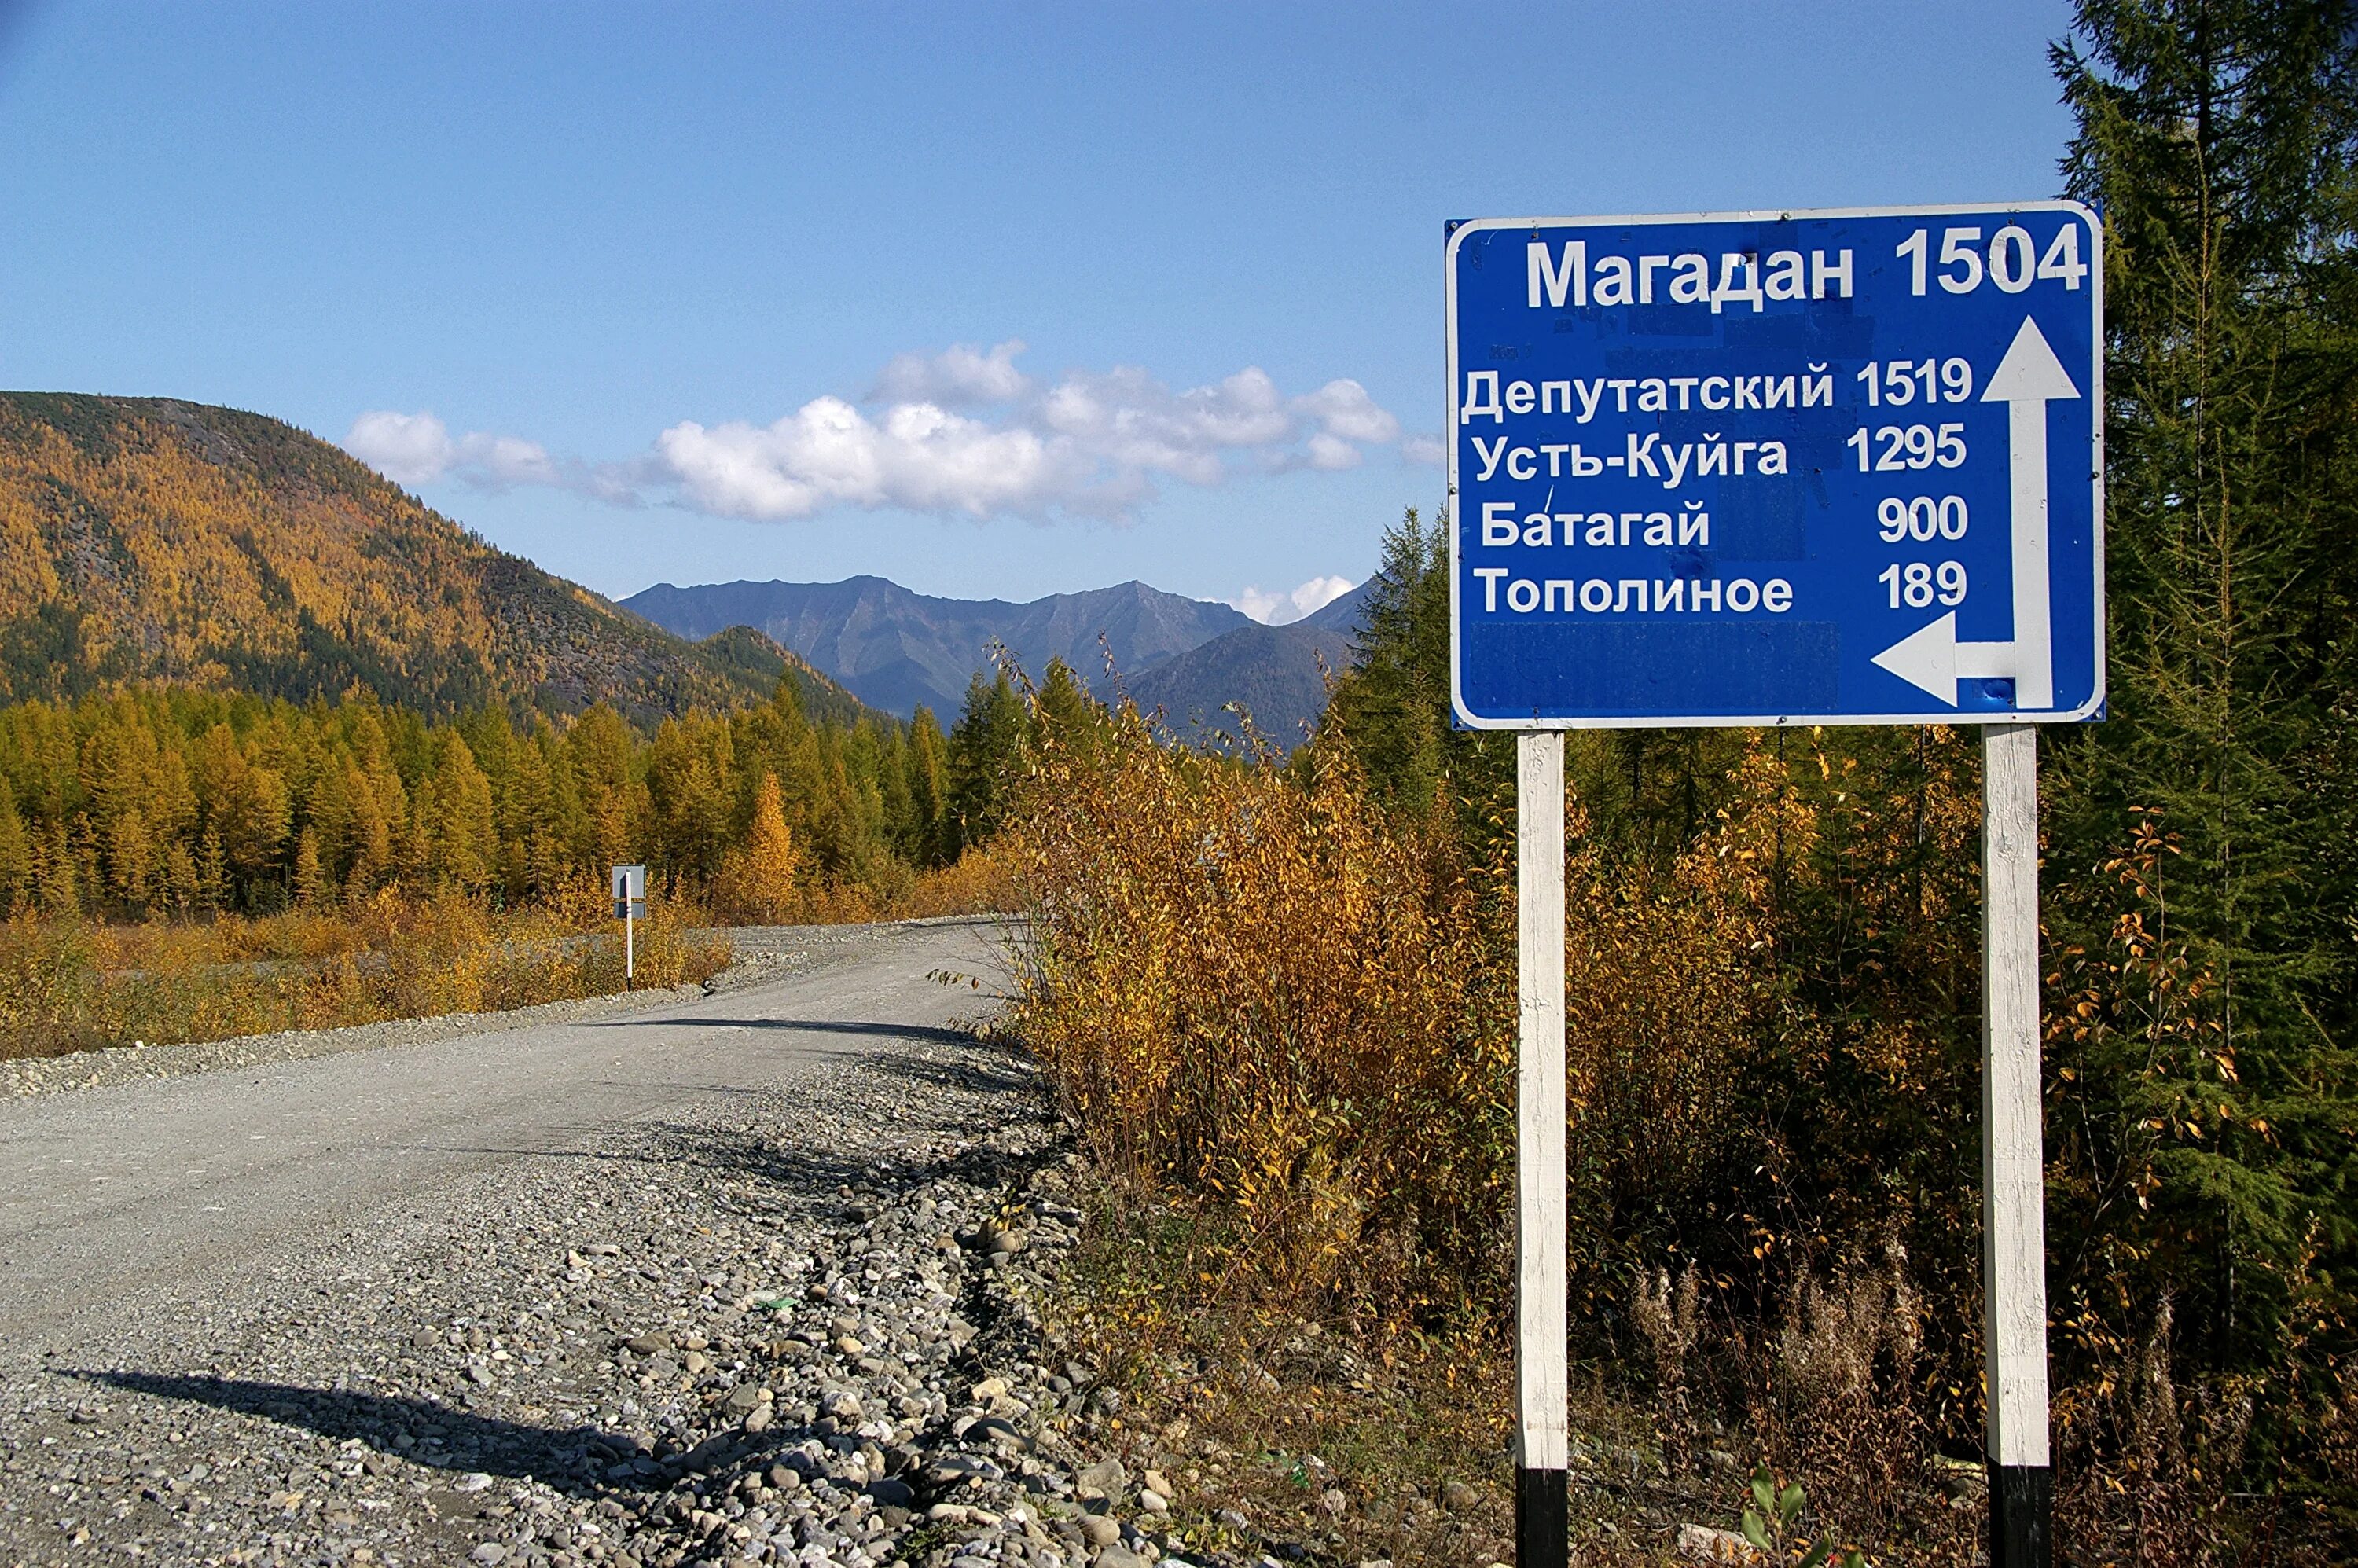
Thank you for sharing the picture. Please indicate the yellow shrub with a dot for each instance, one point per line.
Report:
(1276, 996)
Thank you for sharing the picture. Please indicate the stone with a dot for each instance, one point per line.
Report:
(888, 1492)
(1154, 1482)
(1106, 1476)
(1333, 1503)
(1458, 1497)
(1118, 1557)
(474, 1481)
(1099, 1530)
(1702, 1543)
(489, 1554)
(647, 1344)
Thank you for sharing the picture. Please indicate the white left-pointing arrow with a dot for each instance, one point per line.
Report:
(1932, 659)
(2026, 380)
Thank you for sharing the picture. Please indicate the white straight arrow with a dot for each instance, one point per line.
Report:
(2027, 379)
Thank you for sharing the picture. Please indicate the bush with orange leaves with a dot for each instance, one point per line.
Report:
(1251, 986)
(1283, 1013)
(1668, 971)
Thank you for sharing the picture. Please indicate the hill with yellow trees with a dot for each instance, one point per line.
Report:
(146, 540)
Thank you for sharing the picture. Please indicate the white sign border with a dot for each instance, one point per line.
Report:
(1769, 721)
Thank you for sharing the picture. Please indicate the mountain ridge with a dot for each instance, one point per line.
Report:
(897, 649)
(1276, 675)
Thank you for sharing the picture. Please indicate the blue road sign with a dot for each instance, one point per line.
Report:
(1777, 468)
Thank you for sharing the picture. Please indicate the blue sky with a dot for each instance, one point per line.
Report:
(695, 292)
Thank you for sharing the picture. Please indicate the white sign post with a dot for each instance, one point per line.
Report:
(1542, 1330)
(2014, 1215)
(630, 902)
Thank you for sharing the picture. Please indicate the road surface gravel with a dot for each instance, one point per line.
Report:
(740, 1277)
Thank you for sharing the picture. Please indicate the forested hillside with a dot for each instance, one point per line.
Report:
(1278, 675)
(144, 539)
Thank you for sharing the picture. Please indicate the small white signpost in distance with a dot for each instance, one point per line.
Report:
(1782, 469)
(630, 902)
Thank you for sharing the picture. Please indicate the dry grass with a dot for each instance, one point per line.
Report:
(77, 985)
(72, 985)
(980, 881)
(1281, 1431)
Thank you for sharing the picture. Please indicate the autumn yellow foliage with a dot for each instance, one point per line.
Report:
(1270, 994)
(69, 985)
(1256, 987)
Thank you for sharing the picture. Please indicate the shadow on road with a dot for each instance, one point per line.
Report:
(990, 1067)
(926, 1031)
(575, 1460)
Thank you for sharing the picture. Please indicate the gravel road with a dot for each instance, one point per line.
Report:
(739, 1277)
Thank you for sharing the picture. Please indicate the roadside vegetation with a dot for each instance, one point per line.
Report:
(1277, 995)
(79, 984)
(181, 865)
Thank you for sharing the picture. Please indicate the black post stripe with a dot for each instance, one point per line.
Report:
(2022, 1504)
(1543, 1520)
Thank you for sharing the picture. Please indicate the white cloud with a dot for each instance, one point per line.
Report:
(828, 453)
(1278, 609)
(1332, 453)
(1425, 449)
(1348, 413)
(416, 448)
(497, 461)
(961, 433)
(407, 449)
(960, 377)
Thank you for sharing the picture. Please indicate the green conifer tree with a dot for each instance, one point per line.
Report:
(2212, 1112)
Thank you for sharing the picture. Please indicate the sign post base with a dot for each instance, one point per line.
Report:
(2022, 1501)
(1542, 1523)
